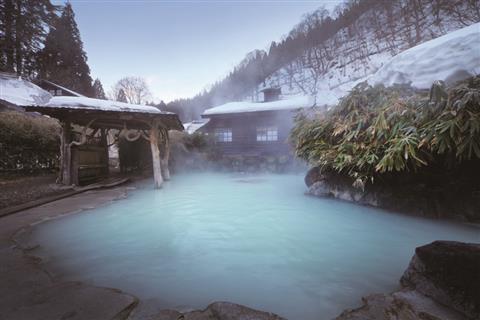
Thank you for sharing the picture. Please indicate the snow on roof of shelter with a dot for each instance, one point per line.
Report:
(19, 92)
(451, 57)
(191, 127)
(292, 103)
(84, 103)
(63, 88)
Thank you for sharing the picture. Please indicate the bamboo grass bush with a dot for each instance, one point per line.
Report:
(376, 131)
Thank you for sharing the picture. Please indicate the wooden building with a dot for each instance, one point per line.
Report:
(254, 128)
(55, 89)
(84, 156)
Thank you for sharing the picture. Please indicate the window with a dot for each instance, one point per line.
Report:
(59, 92)
(52, 92)
(267, 134)
(223, 135)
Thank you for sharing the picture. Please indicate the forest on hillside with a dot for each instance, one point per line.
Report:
(355, 30)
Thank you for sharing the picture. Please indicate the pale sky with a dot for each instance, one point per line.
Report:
(180, 47)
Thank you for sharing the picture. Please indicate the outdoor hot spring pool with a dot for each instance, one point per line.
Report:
(252, 240)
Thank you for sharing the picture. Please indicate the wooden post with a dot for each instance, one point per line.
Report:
(166, 154)
(66, 157)
(157, 166)
(104, 142)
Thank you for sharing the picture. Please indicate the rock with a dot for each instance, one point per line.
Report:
(219, 311)
(320, 189)
(448, 272)
(313, 175)
(442, 282)
(400, 305)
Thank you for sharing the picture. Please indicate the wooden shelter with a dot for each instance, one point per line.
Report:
(81, 160)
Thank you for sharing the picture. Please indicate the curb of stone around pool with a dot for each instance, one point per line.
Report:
(34, 292)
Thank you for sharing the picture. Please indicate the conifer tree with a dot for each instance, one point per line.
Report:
(98, 89)
(23, 27)
(63, 59)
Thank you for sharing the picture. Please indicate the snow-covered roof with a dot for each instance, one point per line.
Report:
(74, 93)
(85, 103)
(292, 103)
(19, 92)
(191, 127)
(451, 57)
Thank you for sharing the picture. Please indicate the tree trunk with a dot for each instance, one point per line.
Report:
(18, 39)
(9, 36)
(157, 167)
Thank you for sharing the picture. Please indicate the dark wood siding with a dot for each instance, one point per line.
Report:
(53, 89)
(244, 132)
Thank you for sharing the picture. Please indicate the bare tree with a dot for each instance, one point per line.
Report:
(134, 90)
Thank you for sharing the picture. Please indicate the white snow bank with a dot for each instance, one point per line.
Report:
(22, 93)
(191, 127)
(247, 106)
(98, 104)
(452, 57)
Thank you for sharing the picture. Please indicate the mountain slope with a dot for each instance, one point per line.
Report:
(331, 69)
(325, 55)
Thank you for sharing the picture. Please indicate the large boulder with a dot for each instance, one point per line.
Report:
(442, 282)
(400, 305)
(219, 311)
(313, 175)
(448, 272)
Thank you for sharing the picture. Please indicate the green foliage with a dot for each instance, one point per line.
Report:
(27, 142)
(17, 128)
(196, 141)
(377, 130)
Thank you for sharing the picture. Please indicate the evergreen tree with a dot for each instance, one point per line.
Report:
(161, 106)
(63, 59)
(98, 90)
(121, 96)
(23, 26)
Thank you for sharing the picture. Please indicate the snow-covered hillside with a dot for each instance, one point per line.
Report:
(356, 53)
(451, 57)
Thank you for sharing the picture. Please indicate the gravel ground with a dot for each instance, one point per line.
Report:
(15, 190)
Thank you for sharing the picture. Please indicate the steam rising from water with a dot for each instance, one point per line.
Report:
(257, 241)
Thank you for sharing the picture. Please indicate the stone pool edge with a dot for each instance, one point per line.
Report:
(30, 290)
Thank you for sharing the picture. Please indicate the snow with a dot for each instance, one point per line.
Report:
(20, 92)
(193, 126)
(247, 106)
(451, 57)
(356, 54)
(98, 104)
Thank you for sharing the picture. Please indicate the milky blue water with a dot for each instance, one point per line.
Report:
(257, 241)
